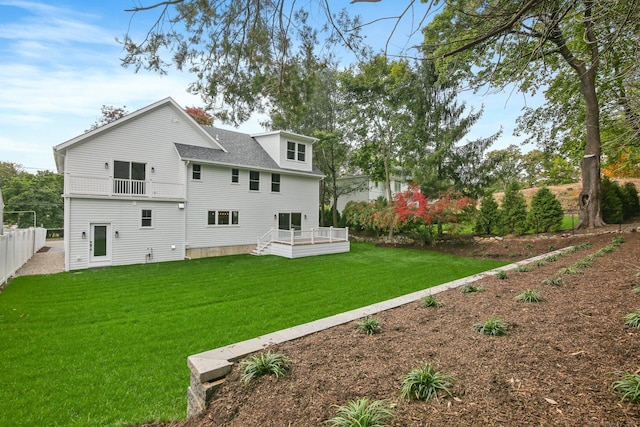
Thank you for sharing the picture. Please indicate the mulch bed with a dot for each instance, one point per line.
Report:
(555, 366)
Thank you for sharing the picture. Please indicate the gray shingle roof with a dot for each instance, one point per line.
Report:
(243, 151)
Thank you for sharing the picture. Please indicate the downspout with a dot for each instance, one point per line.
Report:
(186, 206)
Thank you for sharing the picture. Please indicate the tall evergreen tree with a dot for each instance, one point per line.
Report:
(545, 213)
(513, 210)
(488, 219)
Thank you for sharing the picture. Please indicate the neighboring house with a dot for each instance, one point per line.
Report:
(156, 186)
(360, 188)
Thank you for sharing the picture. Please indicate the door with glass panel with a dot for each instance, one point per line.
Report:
(100, 245)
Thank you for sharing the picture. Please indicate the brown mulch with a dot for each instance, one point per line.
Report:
(555, 366)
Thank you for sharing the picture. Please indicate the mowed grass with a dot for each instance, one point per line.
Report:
(109, 346)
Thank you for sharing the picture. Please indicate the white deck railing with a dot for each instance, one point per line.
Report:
(17, 247)
(96, 186)
(300, 237)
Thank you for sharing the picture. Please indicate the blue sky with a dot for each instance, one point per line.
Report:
(60, 62)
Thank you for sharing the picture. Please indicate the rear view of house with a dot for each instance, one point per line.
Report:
(156, 186)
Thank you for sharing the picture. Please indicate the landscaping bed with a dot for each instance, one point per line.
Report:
(555, 366)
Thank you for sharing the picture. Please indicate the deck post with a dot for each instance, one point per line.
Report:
(313, 235)
(331, 234)
(291, 231)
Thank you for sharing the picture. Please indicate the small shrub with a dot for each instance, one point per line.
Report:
(369, 325)
(362, 413)
(502, 275)
(583, 263)
(265, 364)
(572, 250)
(617, 240)
(470, 288)
(628, 386)
(553, 281)
(551, 258)
(636, 289)
(523, 269)
(529, 246)
(552, 248)
(528, 296)
(569, 270)
(633, 319)
(431, 301)
(424, 383)
(492, 326)
(584, 245)
(540, 263)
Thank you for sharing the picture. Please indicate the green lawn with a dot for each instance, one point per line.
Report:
(109, 346)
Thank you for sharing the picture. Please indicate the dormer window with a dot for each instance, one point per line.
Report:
(296, 151)
(291, 150)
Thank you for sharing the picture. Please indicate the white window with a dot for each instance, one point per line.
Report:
(222, 217)
(275, 182)
(146, 218)
(254, 180)
(196, 172)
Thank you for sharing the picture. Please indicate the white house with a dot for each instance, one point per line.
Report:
(361, 188)
(156, 186)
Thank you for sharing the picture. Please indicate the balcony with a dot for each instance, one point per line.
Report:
(113, 187)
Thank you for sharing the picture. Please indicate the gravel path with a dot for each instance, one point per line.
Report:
(48, 262)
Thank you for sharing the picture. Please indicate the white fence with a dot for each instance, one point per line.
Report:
(17, 247)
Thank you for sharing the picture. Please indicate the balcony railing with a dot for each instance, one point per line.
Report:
(94, 186)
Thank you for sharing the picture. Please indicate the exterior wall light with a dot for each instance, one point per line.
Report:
(84, 235)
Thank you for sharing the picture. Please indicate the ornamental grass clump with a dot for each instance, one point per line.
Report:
(636, 289)
(265, 364)
(628, 386)
(583, 263)
(502, 275)
(369, 325)
(362, 413)
(540, 263)
(424, 383)
(569, 270)
(528, 296)
(492, 326)
(470, 288)
(633, 319)
(551, 258)
(523, 269)
(431, 301)
(553, 281)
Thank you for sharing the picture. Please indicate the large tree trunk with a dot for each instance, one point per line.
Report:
(590, 196)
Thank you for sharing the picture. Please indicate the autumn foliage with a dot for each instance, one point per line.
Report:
(413, 206)
(200, 116)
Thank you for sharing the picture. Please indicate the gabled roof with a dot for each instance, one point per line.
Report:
(241, 150)
(58, 150)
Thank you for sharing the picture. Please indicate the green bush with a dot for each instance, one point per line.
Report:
(369, 325)
(611, 202)
(553, 281)
(264, 364)
(362, 413)
(513, 211)
(528, 296)
(488, 219)
(628, 386)
(502, 275)
(492, 326)
(546, 212)
(631, 202)
(431, 301)
(470, 288)
(424, 383)
(633, 319)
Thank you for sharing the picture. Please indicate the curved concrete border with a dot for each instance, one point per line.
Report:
(209, 368)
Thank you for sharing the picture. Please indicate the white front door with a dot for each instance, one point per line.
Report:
(100, 245)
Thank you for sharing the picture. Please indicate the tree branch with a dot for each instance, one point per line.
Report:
(153, 6)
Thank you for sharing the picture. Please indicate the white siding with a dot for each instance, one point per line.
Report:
(258, 210)
(147, 138)
(131, 246)
(270, 142)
